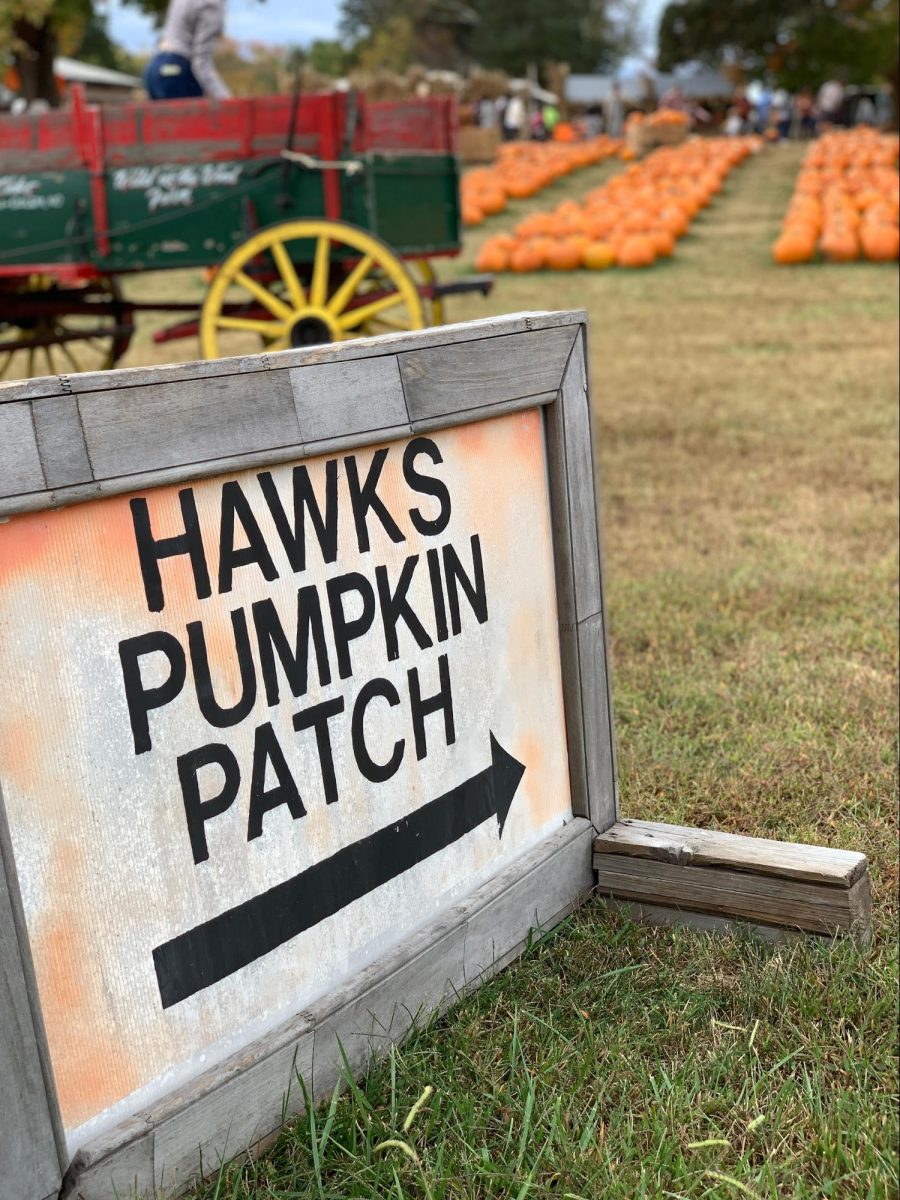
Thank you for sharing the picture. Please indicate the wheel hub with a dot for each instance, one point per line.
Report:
(310, 331)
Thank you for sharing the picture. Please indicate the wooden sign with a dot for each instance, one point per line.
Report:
(305, 725)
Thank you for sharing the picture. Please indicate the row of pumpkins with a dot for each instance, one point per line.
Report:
(631, 221)
(846, 201)
(523, 168)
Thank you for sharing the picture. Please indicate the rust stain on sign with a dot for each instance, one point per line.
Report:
(259, 728)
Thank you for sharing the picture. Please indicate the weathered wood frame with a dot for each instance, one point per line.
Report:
(69, 439)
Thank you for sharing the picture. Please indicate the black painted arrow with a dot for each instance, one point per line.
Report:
(219, 947)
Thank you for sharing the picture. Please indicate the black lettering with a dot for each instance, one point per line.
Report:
(364, 497)
(427, 485)
(437, 593)
(293, 538)
(317, 717)
(236, 504)
(473, 588)
(272, 641)
(394, 606)
(151, 550)
(442, 701)
(213, 712)
(347, 629)
(266, 749)
(198, 811)
(376, 772)
(141, 699)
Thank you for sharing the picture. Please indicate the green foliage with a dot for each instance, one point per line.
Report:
(97, 46)
(800, 42)
(151, 8)
(515, 33)
(510, 34)
(330, 57)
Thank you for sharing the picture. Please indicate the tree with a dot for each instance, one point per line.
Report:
(511, 34)
(328, 57)
(34, 32)
(799, 42)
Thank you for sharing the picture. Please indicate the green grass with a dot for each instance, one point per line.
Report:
(747, 429)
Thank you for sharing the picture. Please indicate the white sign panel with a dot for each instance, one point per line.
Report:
(258, 728)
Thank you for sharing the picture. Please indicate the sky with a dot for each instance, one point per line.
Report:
(277, 21)
(288, 22)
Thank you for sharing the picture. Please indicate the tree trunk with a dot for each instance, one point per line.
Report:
(34, 52)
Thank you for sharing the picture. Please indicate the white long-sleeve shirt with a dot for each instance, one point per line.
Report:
(192, 29)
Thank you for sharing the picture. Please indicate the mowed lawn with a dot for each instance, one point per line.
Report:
(747, 433)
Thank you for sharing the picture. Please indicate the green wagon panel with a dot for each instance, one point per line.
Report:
(168, 215)
(410, 201)
(44, 217)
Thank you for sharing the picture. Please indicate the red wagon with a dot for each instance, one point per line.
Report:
(316, 218)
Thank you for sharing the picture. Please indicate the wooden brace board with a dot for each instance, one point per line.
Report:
(670, 874)
(68, 440)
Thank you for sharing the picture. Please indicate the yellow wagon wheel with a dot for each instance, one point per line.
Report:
(305, 282)
(423, 272)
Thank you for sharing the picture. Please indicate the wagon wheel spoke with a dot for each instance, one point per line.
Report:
(318, 288)
(390, 325)
(266, 329)
(4, 365)
(69, 356)
(30, 362)
(288, 273)
(275, 306)
(356, 316)
(51, 368)
(350, 286)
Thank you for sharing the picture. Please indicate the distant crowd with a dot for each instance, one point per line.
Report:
(761, 108)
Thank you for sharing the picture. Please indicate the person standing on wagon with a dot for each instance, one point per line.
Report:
(183, 67)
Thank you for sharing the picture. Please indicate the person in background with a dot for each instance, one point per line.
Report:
(763, 108)
(781, 114)
(593, 120)
(733, 124)
(550, 114)
(805, 114)
(614, 111)
(488, 117)
(513, 118)
(183, 65)
(674, 99)
(831, 101)
(538, 128)
(743, 109)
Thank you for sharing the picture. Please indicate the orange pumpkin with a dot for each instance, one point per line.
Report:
(492, 257)
(792, 248)
(491, 200)
(637, 250)
(880, 243)
(598, 256)
(663, 242)
(840, 244)
(524, 258)
(564, 255)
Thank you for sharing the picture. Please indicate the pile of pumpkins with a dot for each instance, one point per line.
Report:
(523, 168)
(631, 221)
(846, 201)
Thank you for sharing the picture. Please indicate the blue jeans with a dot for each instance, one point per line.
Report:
(169, 77)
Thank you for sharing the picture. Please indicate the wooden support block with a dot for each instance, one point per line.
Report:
(671, 870)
